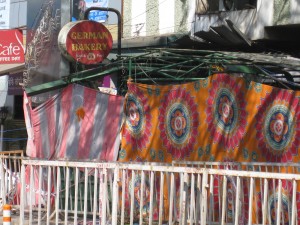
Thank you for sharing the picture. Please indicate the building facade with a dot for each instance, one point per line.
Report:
(223, 22)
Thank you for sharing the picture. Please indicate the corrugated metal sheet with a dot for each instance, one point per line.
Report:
(226, 35)
(212, 36)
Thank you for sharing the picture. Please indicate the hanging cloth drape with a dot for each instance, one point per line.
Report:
(77, 123)
(221, 118)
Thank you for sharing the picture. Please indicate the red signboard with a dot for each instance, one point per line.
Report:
(87, 42)
(11, 47)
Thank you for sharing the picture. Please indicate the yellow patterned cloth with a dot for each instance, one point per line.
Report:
(221, 118)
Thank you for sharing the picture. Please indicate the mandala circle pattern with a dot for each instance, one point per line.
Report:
(134, 115)
(137, 195)
(272, 208)
(272, 203)
(226, 111)
(138, 118)
(178, 122)
(278, 127)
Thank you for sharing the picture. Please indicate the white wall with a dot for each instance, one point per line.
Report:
(295, 11)
(3, 89)
(138, 17)
(264, 17)
(166, 16)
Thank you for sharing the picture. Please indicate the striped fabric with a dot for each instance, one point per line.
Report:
(77, 123)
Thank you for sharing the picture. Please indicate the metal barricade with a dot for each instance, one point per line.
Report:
(64, 192)
(10, 169)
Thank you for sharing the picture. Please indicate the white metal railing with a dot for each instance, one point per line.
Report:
(245, 166)
(64, 192)
(10, 168)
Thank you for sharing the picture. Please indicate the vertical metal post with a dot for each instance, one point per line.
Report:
(23, 190)
(211, 198)
(279, 203)
(32, 194)
(123, 197)
(49, 195)
(95, 196)
(251, 200)
(183, 214)
(67, 186)
(237, 200)
(40, 195)
(161, 198)
(204, 197)
(142, 196)
(171, 199)
(86, 16)
(265, 202)
(76, 194)
(115, 198)
(224, 194)
(2, 190)
(65, 17)
(294, 204)
(181, 197)
(86, 175)
(151, 197)
(130, 68)
(1, 146)
(198, 200)
(103, 196)
(192, 200)
(132, 197)
(58, 187)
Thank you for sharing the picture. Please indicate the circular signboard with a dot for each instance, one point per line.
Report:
(85, 41)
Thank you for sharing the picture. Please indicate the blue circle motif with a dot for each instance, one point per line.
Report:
(178, 123)
(122, 154)
(278, 132)
(197, 85)
(149, 91)
(152, 154)
(161, 155)
(226, 111)
(272, 203)
(136, 192)
(245, 153)
(200, 152)
(134, 115)
(204, 83)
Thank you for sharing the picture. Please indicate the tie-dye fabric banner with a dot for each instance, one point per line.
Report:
(221, 118)
(77, 123)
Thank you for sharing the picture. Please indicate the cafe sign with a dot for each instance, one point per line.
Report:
(11, 47)
(86, 41)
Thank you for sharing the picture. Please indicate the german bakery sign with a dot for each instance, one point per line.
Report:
(87, 42)
(11, 47)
